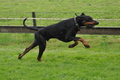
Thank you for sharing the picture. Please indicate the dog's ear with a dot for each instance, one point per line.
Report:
(82, 14)
(76, 14)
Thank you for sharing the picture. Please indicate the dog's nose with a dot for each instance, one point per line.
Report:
(96, 22)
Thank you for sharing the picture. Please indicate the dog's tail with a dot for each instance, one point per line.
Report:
(31, 28)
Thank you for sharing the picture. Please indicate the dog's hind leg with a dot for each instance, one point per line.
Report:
(42, 45)
(73, 45)
(41, 50)
(34, 44)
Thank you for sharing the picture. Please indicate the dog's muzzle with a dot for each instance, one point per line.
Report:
(91, 24)
(96, 23)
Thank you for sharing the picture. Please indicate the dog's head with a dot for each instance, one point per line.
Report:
(84, 20)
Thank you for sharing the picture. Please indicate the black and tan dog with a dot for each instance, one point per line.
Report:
(65, 31)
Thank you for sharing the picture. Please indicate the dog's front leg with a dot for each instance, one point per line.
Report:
(73, 45)
(84, 42)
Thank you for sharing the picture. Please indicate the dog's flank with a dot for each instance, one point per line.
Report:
(65, 31)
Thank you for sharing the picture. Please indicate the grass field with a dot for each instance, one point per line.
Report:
(100, 62)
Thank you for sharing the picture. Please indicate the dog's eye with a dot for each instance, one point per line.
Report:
(90, 18)
(84, 21)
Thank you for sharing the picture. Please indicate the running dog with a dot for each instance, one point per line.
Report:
(65, 31)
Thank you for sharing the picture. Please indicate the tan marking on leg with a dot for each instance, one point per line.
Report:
(84, 42)
(73, 45)
(27, 50)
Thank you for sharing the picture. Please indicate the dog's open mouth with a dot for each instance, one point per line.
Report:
(91, 24)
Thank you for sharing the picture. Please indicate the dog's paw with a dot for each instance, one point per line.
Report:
(87, 46)
(40, 60)
(19, 56)
(71, 46)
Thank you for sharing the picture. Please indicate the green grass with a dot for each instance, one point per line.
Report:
(60, 5)
(100, 62)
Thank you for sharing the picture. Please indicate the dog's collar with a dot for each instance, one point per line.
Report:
(77, 25)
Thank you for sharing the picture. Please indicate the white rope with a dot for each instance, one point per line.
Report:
(60, 19)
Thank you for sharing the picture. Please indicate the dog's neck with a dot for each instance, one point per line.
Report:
(77, 25)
